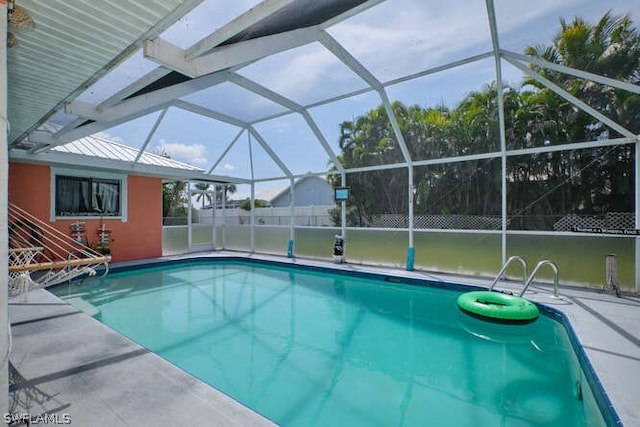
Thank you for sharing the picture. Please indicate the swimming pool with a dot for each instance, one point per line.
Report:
(305, 346)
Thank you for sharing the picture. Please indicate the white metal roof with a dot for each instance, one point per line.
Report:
(97, 146)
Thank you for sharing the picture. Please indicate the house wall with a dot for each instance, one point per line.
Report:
(310, 191)
(140, 237)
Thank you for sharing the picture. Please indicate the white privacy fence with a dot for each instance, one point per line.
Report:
(319, 216)
(313, 216)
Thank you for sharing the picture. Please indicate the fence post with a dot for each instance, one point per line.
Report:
(611, 275)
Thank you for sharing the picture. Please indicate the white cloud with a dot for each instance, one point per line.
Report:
(228, 167)
(398, 37)
(305, 74)
(110, 137)
(404, 36)
(191, 153)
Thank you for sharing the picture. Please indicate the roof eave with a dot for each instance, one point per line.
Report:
(79, 161)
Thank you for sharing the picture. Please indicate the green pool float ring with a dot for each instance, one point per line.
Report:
(497, 305)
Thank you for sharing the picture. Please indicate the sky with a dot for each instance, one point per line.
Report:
(392, 39)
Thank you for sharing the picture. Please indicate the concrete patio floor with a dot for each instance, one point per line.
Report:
(69, 364)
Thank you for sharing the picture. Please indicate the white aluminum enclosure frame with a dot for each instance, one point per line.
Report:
(209, 63)
(202, 62)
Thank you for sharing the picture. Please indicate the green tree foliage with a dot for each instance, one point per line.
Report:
(174, 201)
(588, 181)
(602, 179)
(246, 204)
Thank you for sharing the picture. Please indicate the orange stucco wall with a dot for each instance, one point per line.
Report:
(140, 237)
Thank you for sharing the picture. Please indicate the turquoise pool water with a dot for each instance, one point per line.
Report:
(312, 348)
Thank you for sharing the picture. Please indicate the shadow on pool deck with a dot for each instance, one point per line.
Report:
(68, 363)
(65, 362)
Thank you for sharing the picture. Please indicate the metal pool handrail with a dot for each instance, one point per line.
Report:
(535, 270)
(504, 268)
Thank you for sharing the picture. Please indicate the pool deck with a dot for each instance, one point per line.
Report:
(68, 363)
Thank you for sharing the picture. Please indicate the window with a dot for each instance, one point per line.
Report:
(81, 196)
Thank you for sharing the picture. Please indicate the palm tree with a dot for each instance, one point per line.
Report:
(611, 48)
(203, 195)
(228, 189)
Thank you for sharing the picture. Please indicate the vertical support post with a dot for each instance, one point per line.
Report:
(637, 207)
(411, 251)
(252, 217)
(214, 231)
(493, 26)
(637, 262)
(4, 226)
(292, 206)
(224, 216)
(503, 182)
(189, 219)
(407, 157)
(343, 212)
(611, 281)
(252, 207)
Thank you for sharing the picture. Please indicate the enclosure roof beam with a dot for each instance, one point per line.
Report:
(135, 86)
(297, 176)
(40, 137)
(569, 146)
(396, 127)
(197, 109)
(291, 105)
(255, 15)
(494, 155)
(350, 13)
(536, 60)
(129, 90)
(325, 144)
(317, 104)
(61, 138)
(224, 153)
(270, 152)
(385, 84)
(439, 68)
(346, 58)
(130, 109)
(257, 88)
(224, 57)
(572, 99)
(457, 159)
(146, 101)
(376, 168)
(235, 27)
(343, 55)
(152, 132)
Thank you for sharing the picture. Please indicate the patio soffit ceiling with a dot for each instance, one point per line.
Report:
(70, 46)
